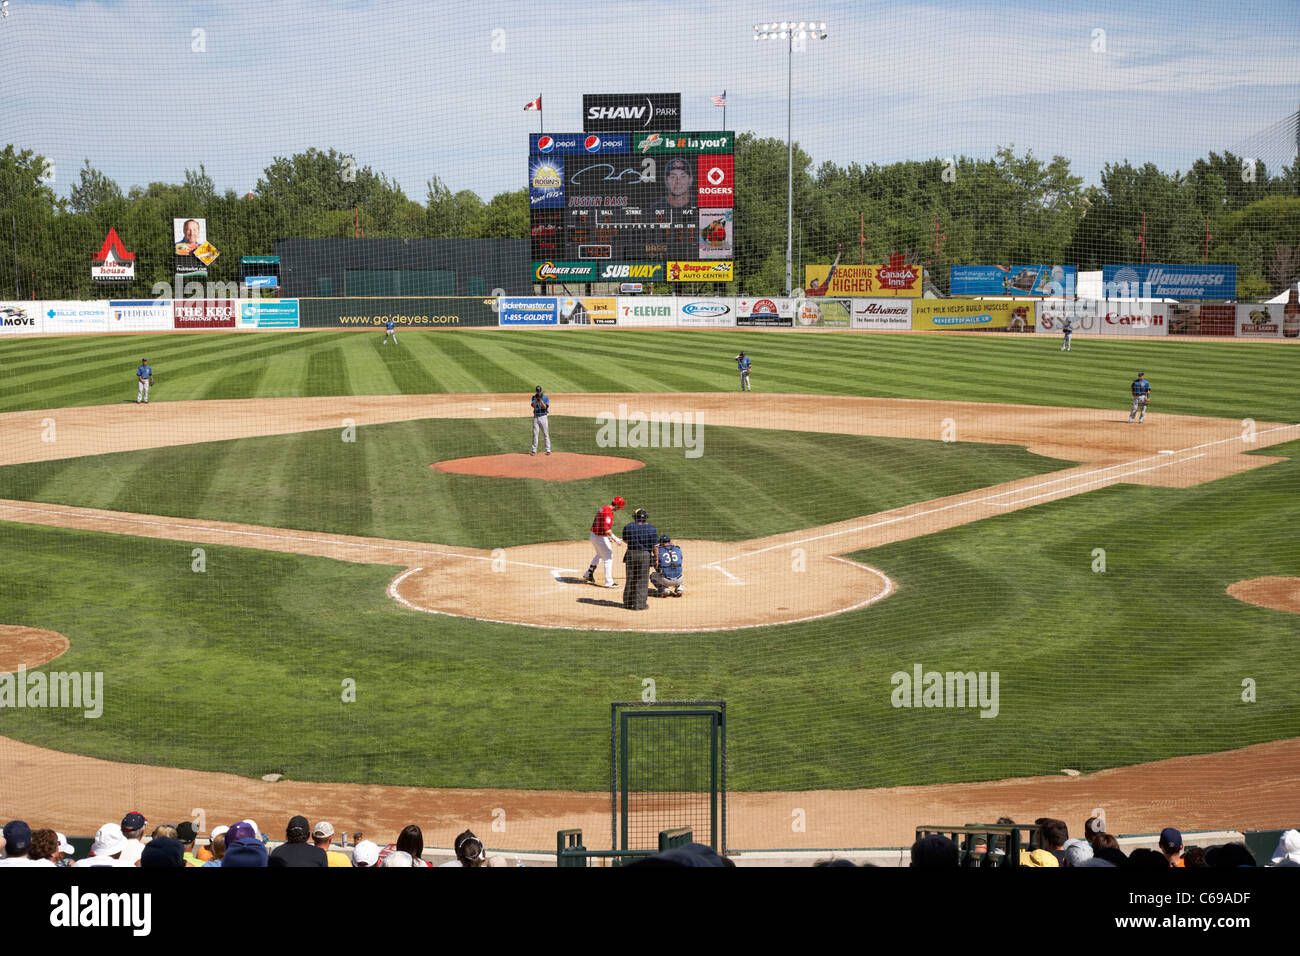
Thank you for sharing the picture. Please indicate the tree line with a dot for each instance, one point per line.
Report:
(939, 212)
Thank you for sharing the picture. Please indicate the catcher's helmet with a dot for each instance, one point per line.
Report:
(664, 539)
(618, 503)
(640, 515)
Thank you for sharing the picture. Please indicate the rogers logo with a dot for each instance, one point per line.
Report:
(591, 144)
(716, 176)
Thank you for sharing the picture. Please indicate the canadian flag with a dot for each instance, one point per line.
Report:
(534, 105)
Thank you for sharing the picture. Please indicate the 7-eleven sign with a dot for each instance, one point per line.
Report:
(113, 263)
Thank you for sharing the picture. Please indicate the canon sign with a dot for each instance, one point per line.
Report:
(638, 112)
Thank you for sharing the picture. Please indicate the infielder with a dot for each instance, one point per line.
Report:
(1067, 332)
(743, 363)
(390, 331)
(668, 577)
(143, 375)
(603, 539)
(541, 405)
(1141, 389)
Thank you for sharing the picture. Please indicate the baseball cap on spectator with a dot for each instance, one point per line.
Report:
(399, 858)
(1039, 857)
(66, 848)
(163, 852)
(365, 853)
(257, 831)
(1170, 838)
(242, 830)
(322, 830)
(1288, 849)
(134, 821)
(108, 840)
(185, 832)
(18, 837)
(299, 826)
(248, 852)
(217, 832)
(1077, 852)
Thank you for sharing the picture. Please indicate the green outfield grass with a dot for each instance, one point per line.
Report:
(1231, 379)
(745, 483)
(1141, 662)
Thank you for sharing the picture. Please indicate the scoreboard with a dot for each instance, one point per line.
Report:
(606, 206)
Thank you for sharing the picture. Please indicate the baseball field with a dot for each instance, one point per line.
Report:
(273, 579)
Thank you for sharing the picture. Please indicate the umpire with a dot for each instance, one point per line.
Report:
(642, 540)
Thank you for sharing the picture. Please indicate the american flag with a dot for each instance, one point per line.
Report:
(720, 100)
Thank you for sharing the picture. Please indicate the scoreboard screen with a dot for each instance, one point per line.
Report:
(630, 198)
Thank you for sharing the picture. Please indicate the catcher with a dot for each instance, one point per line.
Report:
(668, 577)
(1141, 390)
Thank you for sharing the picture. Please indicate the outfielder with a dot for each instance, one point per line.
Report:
(743, 363)
(603, 539)
(668, 577)
(143, 375)
(1141, 389)
(541, 405)
(1066, 333)
(390, 331)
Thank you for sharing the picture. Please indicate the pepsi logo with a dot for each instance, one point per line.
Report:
(545, 144)
(591, 144)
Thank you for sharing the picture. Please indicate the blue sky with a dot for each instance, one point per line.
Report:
(416, 88)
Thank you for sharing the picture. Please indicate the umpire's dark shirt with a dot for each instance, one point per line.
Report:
(640, 536)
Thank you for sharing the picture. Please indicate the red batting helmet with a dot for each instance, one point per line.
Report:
(618, 502)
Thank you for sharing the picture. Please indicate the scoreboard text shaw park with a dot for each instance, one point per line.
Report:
(632, 198)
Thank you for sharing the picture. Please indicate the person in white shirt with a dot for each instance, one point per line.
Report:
(133, 825)
(107, 848)
(18, 837)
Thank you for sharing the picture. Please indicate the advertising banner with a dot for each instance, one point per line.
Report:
(268, 314)
(716, 176)
(546, 182)
(882, 315)
(823, 313)
(204, 313)
(140, 315)
(685, 271)
(592, 310)
(434, 312)
(716, 233)
(638, 271)
(1103, 317)
(764, 311)
(964, 314)
(706, 313)
(73, 317)
(20, 318)
(1263, 321)
(1202, 318)
(549, 271)
(649, 310)
(1035, 280)
(850, 280)
(637, 111)
(577, 144)
(193, 252)
(113, 263)
(529, 310)
(652, 144)
(1146, 281)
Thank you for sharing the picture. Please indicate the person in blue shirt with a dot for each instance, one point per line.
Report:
(541, 406)
(642, 540)
(390, 331)
(668, 576)
(743, 363)
(1067, 332)
(143, 375)
(1141, 390)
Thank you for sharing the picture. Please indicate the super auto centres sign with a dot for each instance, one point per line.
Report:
(642, 112)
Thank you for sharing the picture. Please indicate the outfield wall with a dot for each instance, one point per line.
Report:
(1089, 316)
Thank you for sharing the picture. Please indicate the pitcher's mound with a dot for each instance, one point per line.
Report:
(561, 466)
(28, 647)
(1281, 594)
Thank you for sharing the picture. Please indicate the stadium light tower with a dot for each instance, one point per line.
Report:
(789, 32)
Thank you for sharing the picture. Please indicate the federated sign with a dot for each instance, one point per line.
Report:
(875, 281)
